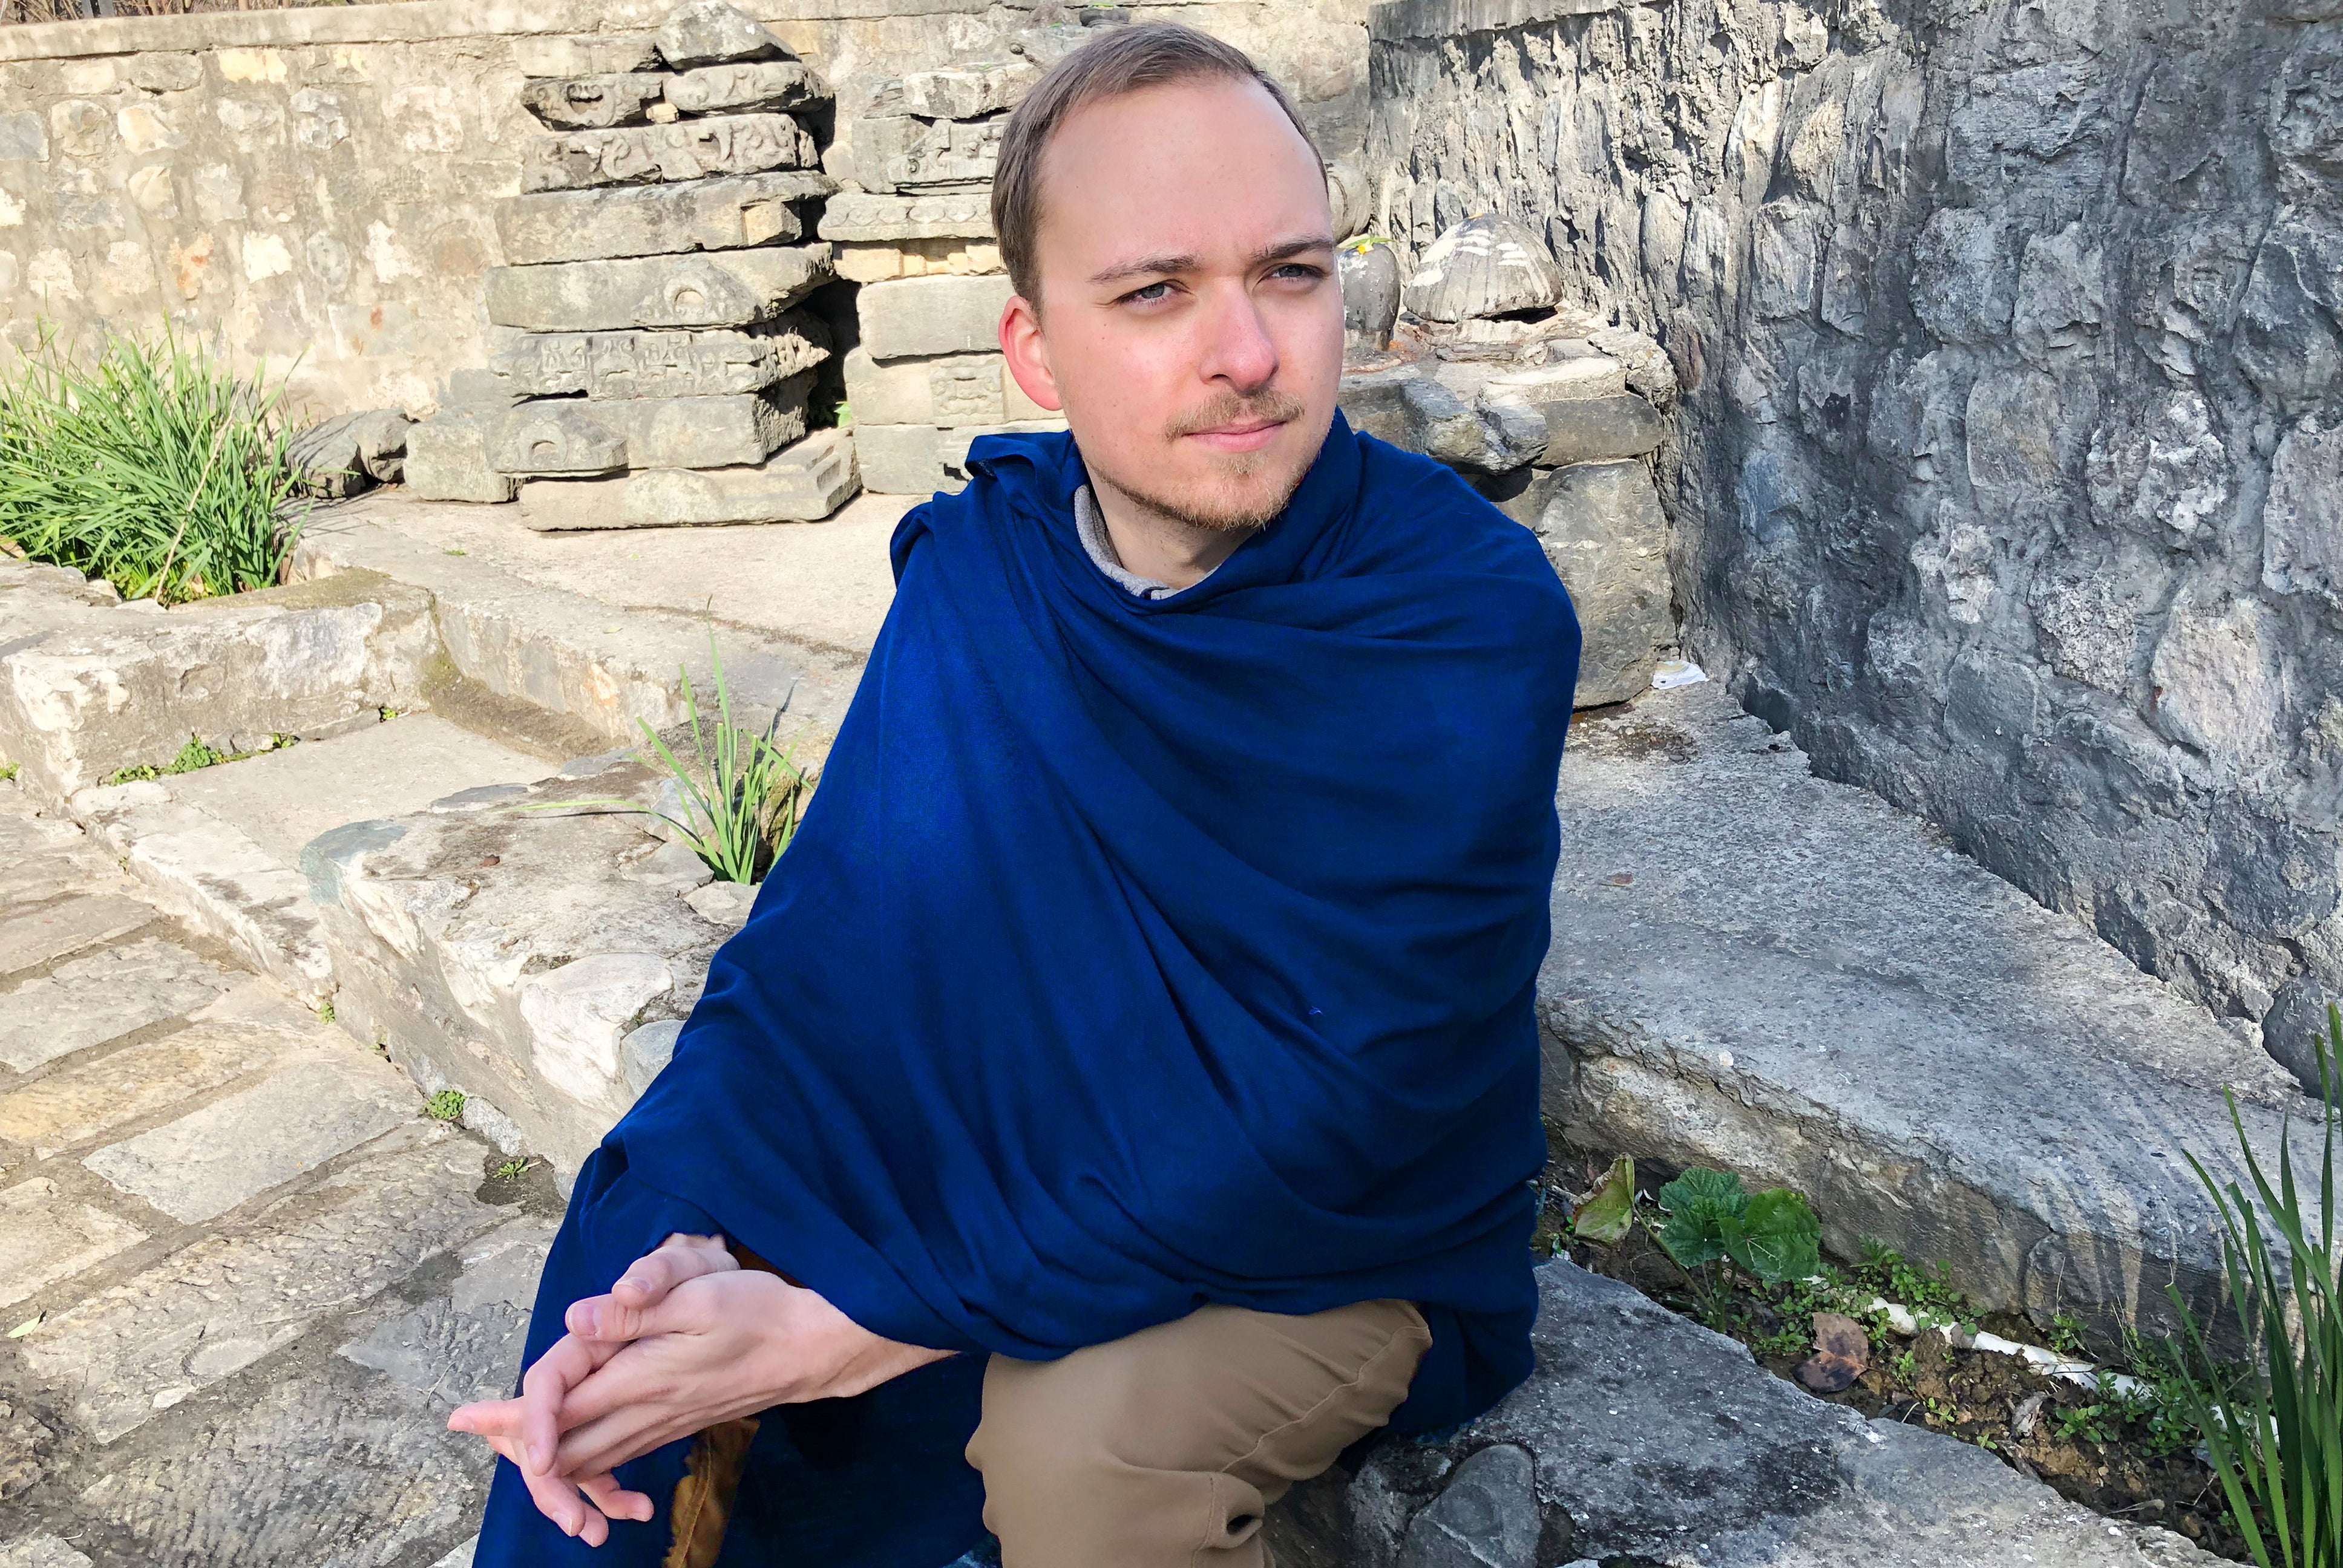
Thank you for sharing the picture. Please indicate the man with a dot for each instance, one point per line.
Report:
(1129, 1071)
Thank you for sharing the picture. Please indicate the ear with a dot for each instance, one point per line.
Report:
(1028, 354)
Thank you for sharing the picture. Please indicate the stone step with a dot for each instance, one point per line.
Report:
(597, 625)
(1756, 970)
(1643, 1437)
(220, 847)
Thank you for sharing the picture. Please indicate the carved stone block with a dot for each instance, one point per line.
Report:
(725, 289)
(920, 459)
(901, 150)
(593, 102)
(940, 214)
(661, 364)
(686, 150)
(448, 460)
(709, 31)
(917, 317)
(958, 389)
(745, 87)
(964, 94)
(803, 482)
(656, 220)
(577, 437)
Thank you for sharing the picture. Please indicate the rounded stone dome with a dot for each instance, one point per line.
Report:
(1486, 265)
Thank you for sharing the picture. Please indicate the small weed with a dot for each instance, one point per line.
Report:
(1771, 1234)
(511, 1170)
(452, 550)
(2093, 1423)
(196, 754)
(447, 1105)
(1901, 1367)
(326, 1013)
(2066, 1336)
(390, 713)
(1940, 1411)
(8, 772)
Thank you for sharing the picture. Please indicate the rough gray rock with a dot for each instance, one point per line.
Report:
(709, 33)
(726, 214)
(803, 482)
(1756, 970)
(1486, 265)
(721, 288)
(342, 456)
(569, 437)
(915, 317)
(629, 364)
(965, 92)
(1603, 530)
(686, 150)
(2009, 347)
(1410, 407)
(1657, 1440)
(920, 460)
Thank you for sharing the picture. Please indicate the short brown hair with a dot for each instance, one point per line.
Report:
(1125, 59)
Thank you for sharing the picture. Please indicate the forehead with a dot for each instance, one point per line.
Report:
(1210, 168)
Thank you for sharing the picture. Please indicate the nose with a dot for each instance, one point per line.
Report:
(1237, 346)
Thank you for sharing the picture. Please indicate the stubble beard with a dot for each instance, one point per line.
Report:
(1229, 510)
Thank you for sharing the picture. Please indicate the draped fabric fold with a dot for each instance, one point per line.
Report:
(1135, 954)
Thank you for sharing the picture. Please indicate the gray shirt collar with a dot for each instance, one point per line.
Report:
(1100, 544)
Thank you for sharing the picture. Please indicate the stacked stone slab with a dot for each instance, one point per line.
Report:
(928, 377)
(664, 364)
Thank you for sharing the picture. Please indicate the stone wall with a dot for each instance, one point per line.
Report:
(2008, 333)
(318, 184)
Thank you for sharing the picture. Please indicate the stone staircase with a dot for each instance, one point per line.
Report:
(1751, 968)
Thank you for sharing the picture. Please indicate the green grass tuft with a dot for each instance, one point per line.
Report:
(149, 464)
(447, 1105)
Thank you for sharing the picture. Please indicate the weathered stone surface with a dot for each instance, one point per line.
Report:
(1573, 379)
(321, 1102)
(725, 904)
(1600, 430)
(1410, 408)
(870, 263)
(517, 987)
(803, 482)
(915, 317)
(747, 86)
(920, 460)
(587, 54)
(965, 94)
(1758, 1473)
(1756, 970)
(45, 1237)
(343, 455)
(594, 103)
(656, 220)
(66, 1108)
(957, 390)
(448, 459)
(724, 288)
(211, 875)
(1603, 530)
(40, 936)
(634, 364)
(40, 1550)
(568, 437)
(1486, 265)
(119, 687)
(708, 31)
(89, 1001)
(467, 1344)
(685, 150)
(940, 214)
(2302, 519)
(221, 1303)
(901, 151)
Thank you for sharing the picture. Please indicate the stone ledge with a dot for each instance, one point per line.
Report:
(1453, 18)
(1758, 969)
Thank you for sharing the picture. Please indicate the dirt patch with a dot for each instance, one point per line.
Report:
(2111, 1449)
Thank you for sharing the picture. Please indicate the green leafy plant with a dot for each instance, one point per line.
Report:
(326, 1013)
(2066, 1336)
(1771, 1234)
(742, 795)
(2275, 1435)
(196, 754)
(8, 772)
(511, 1170)
(447, 1105)
(149, 464)
(1607, 1212)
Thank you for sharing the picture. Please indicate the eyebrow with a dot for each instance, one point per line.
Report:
(1183, 261)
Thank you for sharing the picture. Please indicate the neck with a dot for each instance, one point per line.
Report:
(1155, 544)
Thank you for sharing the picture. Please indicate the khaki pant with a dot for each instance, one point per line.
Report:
(1162, 1450)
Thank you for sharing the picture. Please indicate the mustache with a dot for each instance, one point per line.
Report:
(1227, 408)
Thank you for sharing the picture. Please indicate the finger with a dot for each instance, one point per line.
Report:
(559, 1500)
(486, 1417)
(680, 1258)
(610, 1442)
(543, 1389)
(614, 1500)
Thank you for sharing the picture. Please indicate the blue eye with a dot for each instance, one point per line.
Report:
(1152, 292)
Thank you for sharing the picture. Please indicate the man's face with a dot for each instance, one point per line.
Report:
(1191, 323)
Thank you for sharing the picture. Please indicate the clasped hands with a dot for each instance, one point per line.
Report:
(686, 1339)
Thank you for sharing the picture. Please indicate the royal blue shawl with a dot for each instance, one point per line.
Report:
(1136, 954)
